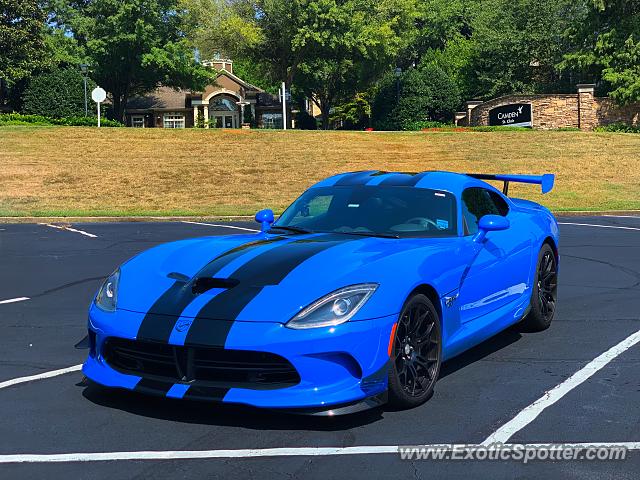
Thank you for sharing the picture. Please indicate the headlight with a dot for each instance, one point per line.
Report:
(107, 296)
(334, 308)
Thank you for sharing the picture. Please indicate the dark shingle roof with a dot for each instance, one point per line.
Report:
(161, 98)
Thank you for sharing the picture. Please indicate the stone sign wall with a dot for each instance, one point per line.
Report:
(581, 110)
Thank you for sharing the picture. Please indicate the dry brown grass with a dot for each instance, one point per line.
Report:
(88, 172)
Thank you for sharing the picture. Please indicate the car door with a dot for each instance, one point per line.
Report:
(499, 270)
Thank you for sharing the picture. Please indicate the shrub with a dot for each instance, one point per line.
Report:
(426, 124)
(427, 94)
(619, 127)
(21, 119)
(58, 93)
(304, 121)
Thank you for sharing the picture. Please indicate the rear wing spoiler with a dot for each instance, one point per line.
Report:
(545, 181)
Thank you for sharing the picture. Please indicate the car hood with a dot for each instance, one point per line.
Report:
(259, 278)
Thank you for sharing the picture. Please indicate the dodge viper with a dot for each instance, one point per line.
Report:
(351, 299)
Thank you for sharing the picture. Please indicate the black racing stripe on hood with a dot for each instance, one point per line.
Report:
(404, 179)
(221, 260)
(357, 178)
(160, 319)
(155, 387)
(214, 321)
(158, 322)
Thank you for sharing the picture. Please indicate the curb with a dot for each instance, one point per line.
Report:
(218, 218)
(248, 218)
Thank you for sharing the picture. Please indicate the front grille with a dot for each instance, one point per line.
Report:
(201, 366)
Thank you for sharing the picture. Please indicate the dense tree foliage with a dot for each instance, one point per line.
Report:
(420, 96)
(67, 101)
(340, 54)
(22, 27)
(133, 45)
(605, 45)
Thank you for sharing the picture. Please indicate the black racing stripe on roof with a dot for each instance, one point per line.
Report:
(160, 319)
(404, 179)
(214, 321)
(357, 178)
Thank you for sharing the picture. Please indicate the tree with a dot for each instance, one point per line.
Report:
(57, 93)
(605, 45)
(133, 46)
(516, 46)
(330, 49)
(354, 114)
(426, 94)
(22, 24)
(350, 44)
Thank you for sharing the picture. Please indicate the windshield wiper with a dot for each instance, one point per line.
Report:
(289, 229)
(371, 234)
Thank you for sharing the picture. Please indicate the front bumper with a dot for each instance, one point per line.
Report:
(339, 365)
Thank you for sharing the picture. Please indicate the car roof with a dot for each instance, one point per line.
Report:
(436, 180)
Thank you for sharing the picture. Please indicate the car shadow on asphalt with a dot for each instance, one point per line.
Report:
(477, 353)
(203, 413)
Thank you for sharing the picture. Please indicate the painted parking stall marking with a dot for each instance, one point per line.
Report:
(70, 229)
(531, 412)
(284, 452)
(39, 376)
(221, 226)
(14, 300)
(599, 226)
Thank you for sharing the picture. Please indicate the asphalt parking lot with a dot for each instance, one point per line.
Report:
(49, 275)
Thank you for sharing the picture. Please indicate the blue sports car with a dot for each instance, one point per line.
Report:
(353, 298)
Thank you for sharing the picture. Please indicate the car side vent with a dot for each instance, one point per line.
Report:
(202, 284)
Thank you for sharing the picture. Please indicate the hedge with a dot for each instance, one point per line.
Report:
(20, 119)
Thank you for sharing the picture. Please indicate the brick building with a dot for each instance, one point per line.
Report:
(228, 103)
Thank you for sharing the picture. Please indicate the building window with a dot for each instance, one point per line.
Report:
(271, 120)
(137, 121)
(173, 120)
(223, 103)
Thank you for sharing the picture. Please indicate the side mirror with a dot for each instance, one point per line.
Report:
(265, 219)
(490, 223)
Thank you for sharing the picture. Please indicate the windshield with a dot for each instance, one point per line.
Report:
(381, 210)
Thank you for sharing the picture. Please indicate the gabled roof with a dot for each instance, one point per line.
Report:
(239, 81)
(163, 98)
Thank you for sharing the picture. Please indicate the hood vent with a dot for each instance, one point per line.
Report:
(203, 284)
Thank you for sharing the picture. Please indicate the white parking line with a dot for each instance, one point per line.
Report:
(277, 452)
(531, 412)
(599, 226)
(69, 229)
(14, 300)
(222, 226)
(621, 216)
(39, 376)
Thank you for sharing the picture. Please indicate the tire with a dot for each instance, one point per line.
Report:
(416, 353)
(545, 293)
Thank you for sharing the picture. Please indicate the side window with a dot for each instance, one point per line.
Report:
(476, 203)
(317, 206)
(500, 203)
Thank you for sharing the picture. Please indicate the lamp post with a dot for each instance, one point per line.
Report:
(398, 74)
(84, 68)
